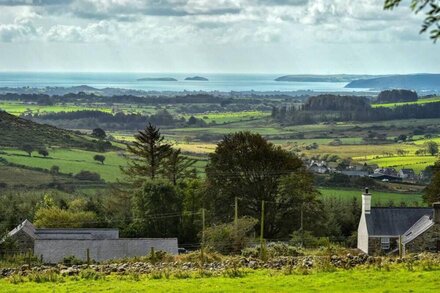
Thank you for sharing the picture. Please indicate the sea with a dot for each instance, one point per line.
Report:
(217, 82)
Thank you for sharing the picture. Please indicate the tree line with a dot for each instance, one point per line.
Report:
(120, 120)
(330, 108)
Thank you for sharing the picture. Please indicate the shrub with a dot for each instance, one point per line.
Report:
(228, 238)
(72, 260)
(87, 175)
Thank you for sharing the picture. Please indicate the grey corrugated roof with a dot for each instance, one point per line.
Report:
(393, 221)
(423, 224)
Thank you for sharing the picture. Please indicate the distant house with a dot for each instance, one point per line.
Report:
(386, 171)
(355, 173)
(318, 167)
(53, 245)
(407, 174)
(384, 177)
(381, 228)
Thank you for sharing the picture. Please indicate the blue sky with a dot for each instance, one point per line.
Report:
(253, 36)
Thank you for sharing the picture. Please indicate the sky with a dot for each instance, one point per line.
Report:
(214, 36)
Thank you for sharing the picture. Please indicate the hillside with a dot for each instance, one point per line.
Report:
(413, 81)
(16, 132)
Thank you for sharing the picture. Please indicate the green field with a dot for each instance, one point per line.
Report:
(355, 280)
(378, 197)
(417, 163)
(16, 108)
(229, 117)
(70, 161)
(420, 101)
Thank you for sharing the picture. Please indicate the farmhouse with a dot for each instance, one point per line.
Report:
(407, 174)
(318, 167)
(383, 229)
(53, 245)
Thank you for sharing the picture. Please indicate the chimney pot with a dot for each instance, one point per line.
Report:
(366, 202)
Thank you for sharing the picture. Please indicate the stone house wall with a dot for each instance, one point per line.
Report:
(374, 245)
(427, 241)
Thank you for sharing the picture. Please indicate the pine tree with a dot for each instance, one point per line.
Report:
(147, 155)
(177, 166)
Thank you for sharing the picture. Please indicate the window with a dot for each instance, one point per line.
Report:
(385, 243)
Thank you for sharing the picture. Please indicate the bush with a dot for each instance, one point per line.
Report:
(72, 260)
(308, 240)
(273, 249)
(87, 175)
(226, 238)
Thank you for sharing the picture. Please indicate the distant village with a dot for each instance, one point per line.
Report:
(388, 174)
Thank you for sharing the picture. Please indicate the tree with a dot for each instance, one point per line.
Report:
(99, 158)
(296, 195)
(432, 19)
(157, 209)
(432, 191)
(177, 166)
(148, 153)
(99, 133)
(431, 147)
(59, 218)
(43, 152)
(246, 166)
(28, 149)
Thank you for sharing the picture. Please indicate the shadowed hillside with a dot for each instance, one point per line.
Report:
(16, 132)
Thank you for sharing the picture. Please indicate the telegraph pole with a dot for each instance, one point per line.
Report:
(236, 214)
(262, 229)
(202, 250)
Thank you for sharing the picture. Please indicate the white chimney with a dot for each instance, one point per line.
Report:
(366, 202)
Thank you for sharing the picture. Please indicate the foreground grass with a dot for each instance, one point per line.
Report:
(356, 280)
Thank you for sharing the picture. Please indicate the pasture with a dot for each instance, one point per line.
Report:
(419, 102)
(354, 280)
(17, 109)
(379, 198)
(70, 161)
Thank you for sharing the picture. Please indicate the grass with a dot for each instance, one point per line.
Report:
(420, 101)
(378, 198)
(18, 176)
(70, 161)
(229, 117)
(417, 163)
(17, 108)
(355, 280)
(362, 152)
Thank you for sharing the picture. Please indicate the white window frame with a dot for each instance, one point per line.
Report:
(385, 243)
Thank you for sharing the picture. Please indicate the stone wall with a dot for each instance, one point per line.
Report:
(374, 245)
(55, 250)
(427, 241)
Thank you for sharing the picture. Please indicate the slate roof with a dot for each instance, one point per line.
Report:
(423, 224)
(26, 227)
(394, 221)
(64, 233)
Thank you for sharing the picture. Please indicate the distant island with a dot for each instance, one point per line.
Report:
(157, 79)
(409, 81)
(198, 78)
(323, 78)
